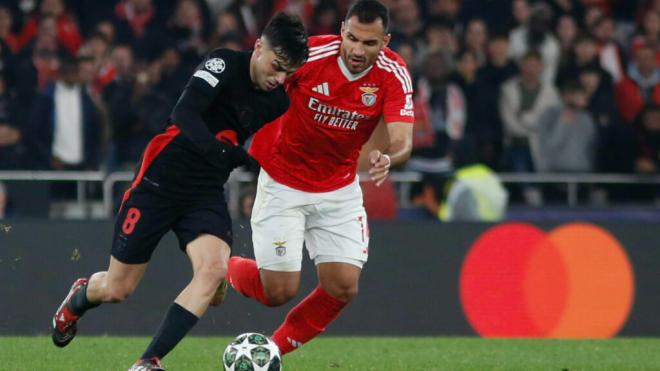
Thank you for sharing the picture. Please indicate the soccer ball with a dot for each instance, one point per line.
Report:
(252, 352)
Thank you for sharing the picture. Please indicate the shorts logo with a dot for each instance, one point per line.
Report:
(280, 248)
(215, 65)
(369, 96)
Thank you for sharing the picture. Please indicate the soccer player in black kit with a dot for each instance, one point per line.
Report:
(179, 183)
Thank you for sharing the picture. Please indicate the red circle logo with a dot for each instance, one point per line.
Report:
(575, 281)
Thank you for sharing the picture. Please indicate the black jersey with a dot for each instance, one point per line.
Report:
(188, 160)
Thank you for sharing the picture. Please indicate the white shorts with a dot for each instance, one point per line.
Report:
(333, 226)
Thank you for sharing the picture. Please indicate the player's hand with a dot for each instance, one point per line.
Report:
(380, 166)
(237, 156)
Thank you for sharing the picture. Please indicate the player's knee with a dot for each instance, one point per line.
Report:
(343, 292)
(280, 295)
(212, 272)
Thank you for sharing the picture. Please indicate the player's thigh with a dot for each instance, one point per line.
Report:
(204, 218)
(141, 223)
(340, 235)
(278, 227)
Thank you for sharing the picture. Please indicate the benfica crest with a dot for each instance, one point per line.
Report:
(369, 96)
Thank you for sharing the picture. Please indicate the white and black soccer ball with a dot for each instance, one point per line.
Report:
(252, 352)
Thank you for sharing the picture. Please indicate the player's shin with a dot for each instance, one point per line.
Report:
(307, 320)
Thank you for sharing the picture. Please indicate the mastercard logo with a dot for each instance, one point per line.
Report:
(575, 281)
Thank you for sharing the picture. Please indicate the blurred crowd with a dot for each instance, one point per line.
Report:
(536, 86)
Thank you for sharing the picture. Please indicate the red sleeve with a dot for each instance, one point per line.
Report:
(28, 32)
(68, 34)
(398, 105)
(628, 100)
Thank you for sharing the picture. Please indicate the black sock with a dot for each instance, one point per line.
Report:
(175, 326)
(79, 303)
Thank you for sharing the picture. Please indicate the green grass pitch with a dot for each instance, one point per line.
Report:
(347, 353)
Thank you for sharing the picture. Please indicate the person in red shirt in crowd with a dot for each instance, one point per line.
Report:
(308, 189)
(641, 86)
(68, 35)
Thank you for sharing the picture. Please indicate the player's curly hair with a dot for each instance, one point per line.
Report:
(288, 38)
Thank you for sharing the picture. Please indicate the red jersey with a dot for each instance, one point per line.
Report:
(315, 145)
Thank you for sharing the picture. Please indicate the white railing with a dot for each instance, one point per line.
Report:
(404, 179)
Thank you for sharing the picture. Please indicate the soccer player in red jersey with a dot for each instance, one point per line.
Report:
(308, 188)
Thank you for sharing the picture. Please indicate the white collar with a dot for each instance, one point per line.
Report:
(348, 74)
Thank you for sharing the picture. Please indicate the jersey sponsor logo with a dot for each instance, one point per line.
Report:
(334, 116)
(409, 102)
(215, 65)
(210, 79)
(322, 89)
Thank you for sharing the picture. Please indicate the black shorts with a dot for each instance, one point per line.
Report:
(145, 217)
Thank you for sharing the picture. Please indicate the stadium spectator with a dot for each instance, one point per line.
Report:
(302, 8)
(326, 18)
(641, 86)
(567, 32)
(439, 36)
(186, 28)
(648, 33)
(137, 110)
(567, 8)
(614, 148)
(11, 148)
(485, 124)
(584, 53)
(447, 9)
(97, 50)
(609, 52)
(66, 29)
(521, 13)
(536, 34)
(476, 40)
(474, 193)
(251, 18)
(443, 101)
(405, 20)
(522, 100)
(567, 134)
(648, 141)
(139, 24)
(64, 128)
(6, 29)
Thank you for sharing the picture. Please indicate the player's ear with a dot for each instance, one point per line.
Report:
(258, 44)
(343, 27)
(386, 40)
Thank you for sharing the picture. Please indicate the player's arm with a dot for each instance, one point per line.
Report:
(399, 116)
(398, 152)
(203, 87)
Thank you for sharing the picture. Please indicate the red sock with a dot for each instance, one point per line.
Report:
(243, 276)
(307, 319)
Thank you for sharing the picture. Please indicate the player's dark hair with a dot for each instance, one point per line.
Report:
(288, 38)
(368, 11)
